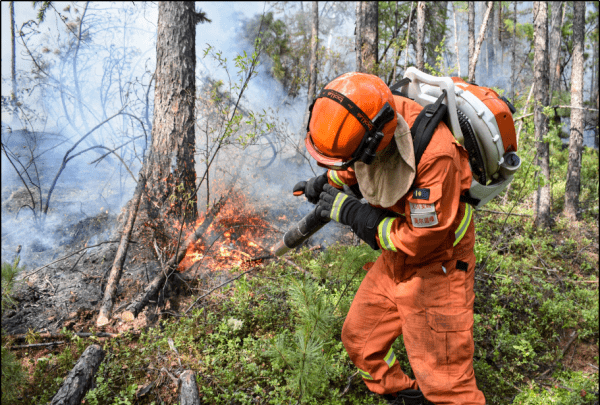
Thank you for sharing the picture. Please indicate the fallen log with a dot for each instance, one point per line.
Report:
(117, 267)
(79, 379)
(188, 394)
(136, 306)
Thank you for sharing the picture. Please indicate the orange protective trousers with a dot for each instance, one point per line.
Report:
(432, 307)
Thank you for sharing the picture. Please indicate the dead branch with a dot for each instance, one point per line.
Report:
(117, 267)
(67, 158)
(132, 311)
(69, 255)
(80, 378)
(118, 147)
(36, 345)
(189, 390)
(110, 151)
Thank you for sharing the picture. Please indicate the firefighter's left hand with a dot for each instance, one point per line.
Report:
(347, 210)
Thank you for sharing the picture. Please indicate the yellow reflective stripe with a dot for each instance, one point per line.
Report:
(335, 178)
(365, 375)
(384, 230)
(337, 206)
(390, 358)
(464, 224)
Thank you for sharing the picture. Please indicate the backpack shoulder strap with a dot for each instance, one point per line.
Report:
(394, 88)
(425, 124)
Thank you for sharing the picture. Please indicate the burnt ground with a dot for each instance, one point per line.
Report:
(68, 293)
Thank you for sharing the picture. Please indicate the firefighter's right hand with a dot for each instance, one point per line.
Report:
(311, 188)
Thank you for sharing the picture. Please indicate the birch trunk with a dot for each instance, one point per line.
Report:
(456, 40)
(484, 23)
(513, 61)
(573, 185)
(471, 32)
(13, 71)
(358, 35)
(312, 79)
(420, 35)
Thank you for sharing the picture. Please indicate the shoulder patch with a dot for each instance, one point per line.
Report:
(421, 194)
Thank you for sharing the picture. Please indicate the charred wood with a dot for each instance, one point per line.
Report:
(136, 306)
(117, 267)
(188, 395)
(79, 379)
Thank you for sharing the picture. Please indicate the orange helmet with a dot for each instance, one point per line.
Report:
(352, 118)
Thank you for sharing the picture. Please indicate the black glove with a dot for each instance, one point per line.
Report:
(348, 210)
(311, 188)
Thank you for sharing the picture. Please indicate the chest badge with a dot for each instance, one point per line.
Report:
(421, 194)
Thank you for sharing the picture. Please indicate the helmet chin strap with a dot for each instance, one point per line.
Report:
(373, 136)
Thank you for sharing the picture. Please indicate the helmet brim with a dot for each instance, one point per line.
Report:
(322, 160)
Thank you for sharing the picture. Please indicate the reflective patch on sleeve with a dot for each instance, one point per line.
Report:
(364, 374)
(390, 358)
(337, 206)
(333, 176)
(464, 224)
(384, 230)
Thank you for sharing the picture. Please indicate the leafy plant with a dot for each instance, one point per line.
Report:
(12, 373)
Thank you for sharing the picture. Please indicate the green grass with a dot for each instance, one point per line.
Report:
(274, 336)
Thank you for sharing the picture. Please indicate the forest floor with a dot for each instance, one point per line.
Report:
(273, 335)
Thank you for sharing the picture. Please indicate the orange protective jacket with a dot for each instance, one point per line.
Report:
(444, 174)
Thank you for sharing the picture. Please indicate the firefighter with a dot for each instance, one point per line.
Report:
(421, 286)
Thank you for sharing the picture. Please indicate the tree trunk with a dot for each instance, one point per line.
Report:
(189, 390)
(408, 35)
(513, 61)
(369, 36)
(312, 79)
(577, 114)
(13, 71)
(541, 83)
(471, 31)
(171, 170)
(436, 15)
(420, 35)
(491, 43)
(484, 23)
(79, 381)
(456, 40)
(112, 284)
(554, 44)
(358, 35)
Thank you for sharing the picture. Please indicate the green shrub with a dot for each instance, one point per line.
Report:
(12, 374)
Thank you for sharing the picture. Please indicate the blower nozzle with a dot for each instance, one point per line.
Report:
(300, 232)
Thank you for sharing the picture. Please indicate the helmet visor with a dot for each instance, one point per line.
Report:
(326, 161)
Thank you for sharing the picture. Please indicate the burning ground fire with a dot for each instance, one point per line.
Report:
(231, 240)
